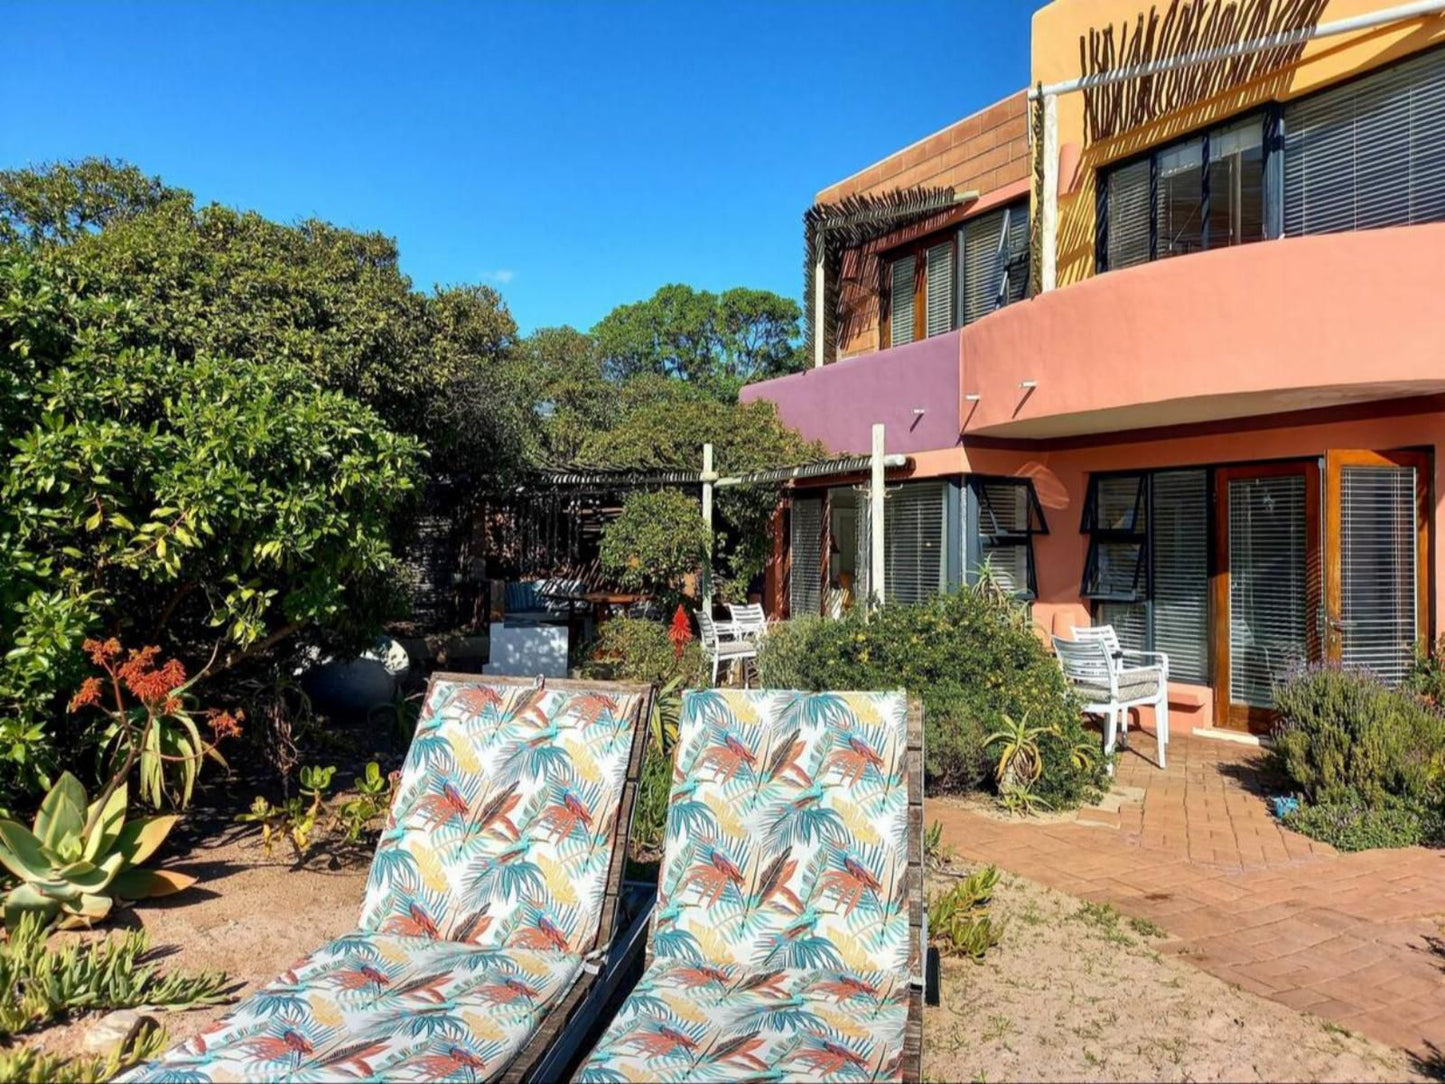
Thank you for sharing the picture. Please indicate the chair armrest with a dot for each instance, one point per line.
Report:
(1159, 655)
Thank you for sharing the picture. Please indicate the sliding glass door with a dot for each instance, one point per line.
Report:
(1376, 516)
(1267, 585)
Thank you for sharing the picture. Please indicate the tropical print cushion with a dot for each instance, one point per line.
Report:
(702, 1022)
(787, 824)
(501, 830)
(379, 1006)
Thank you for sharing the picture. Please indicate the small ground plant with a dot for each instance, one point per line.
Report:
(958, 919)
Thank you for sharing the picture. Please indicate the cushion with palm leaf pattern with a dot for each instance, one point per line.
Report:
(501, 829)
(786, 841)
(379, 1006)
(704, 1022)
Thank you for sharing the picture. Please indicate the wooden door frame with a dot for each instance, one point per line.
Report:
(1242, 717)
(1336, 459)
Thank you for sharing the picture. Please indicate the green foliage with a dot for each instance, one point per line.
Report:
(295, 818)
(637, 649)
(574, 399)
(662, 422)
(68, 199)
(958, 921)
(40, 985)
(212, 505)
(972, 658)
(79, 856)
(1344, 732)
(1427, 676)
(29, 1063)
(717, 342)
(649, 821)
(1347, 822)
(655, 543)
(370, 799)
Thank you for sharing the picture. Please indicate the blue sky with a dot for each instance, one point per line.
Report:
(576, 155)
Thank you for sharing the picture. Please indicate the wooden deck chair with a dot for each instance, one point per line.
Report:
(787, 938)
(493, 895)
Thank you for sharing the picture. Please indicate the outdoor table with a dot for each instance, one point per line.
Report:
(600, 601)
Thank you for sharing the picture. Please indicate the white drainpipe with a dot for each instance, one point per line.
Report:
(1049, 211)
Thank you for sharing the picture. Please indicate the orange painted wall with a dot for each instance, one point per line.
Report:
(987, 152)
(1061, 37)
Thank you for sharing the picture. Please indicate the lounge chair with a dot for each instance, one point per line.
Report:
(493, 894)
(786, 940)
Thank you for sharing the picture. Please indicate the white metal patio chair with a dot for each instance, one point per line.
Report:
(719, 646)
(1089, 667)
(1129, 676)
(749, 620)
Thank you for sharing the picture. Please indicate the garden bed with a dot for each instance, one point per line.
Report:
(1075, 991)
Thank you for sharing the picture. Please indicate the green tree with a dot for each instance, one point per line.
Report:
(216, 281)
(212, 505)
(573, 398)
(655, 543)
(719, 342)
(664, 422)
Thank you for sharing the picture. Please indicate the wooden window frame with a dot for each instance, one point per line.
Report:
(919, 251)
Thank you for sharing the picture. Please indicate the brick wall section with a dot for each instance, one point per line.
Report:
(987, 151)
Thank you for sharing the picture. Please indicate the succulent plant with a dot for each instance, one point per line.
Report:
(79, 857)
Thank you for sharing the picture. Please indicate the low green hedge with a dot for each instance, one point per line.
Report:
(972, 657)
(1367, 760)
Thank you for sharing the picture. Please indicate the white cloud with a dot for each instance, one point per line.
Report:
(502, 275)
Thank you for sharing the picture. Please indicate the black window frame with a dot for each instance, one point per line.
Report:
(1016, 267)
(978, 542)
(1145, 534)
(1135, 534)
(1272, 138)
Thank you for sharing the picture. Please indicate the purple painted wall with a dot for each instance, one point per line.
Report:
(838, 404)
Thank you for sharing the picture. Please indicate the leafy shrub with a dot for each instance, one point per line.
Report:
(1427, 676)
(1348, 823)
(972, 658)
(657, 540)
(27, 1063)
(1344, 733)
(636, 649)
(650, 817)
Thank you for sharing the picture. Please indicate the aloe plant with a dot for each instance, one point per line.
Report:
(80, 856)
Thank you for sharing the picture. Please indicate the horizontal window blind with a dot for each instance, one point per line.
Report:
(900, 319)
(995, 261)
(1268, 584)
(1179, 549)
(913, 542)
(939, 300)
(1130, 621)
(1368, 153)
(1378, 563)
(1127, 236)
(806, 547)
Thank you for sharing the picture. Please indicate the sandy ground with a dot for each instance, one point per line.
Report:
(251, 915)
(1080, 993)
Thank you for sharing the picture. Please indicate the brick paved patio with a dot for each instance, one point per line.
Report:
(1354, 938)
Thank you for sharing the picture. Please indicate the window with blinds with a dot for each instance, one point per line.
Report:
(1378, 566)
(806, 548)
(900, 312)
(1368, 153)
(913, 529)
(1148, 564)
(1268, 584)
(995, 260)
(1179, 553)
(1205, 191)
(938, 289)
(1116, 520)
(1006, 515)
(1128, 221)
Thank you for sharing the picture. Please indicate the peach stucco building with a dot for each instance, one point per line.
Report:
(1165, 354)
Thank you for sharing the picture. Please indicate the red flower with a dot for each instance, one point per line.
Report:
(151, 685)
(680, 632)
(89, 693)
(101, 652)
(225, 725)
